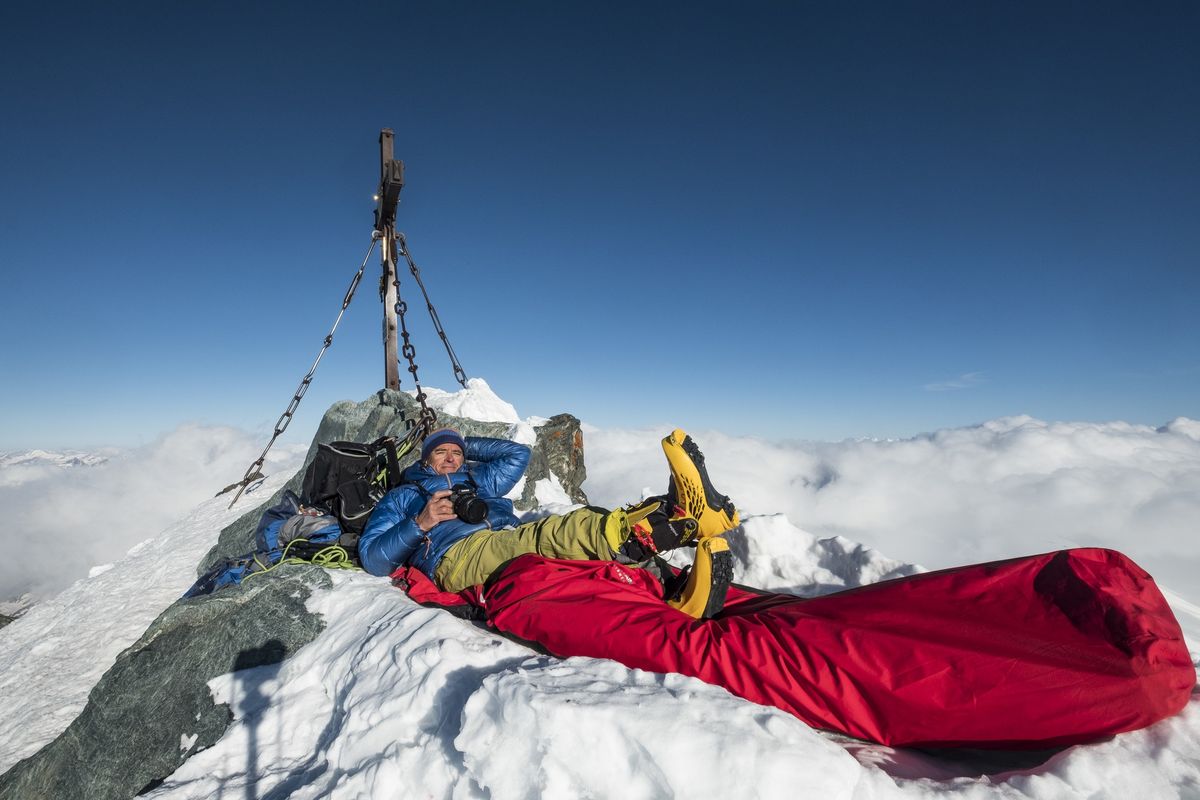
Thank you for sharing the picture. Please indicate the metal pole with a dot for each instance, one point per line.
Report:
(391, 179)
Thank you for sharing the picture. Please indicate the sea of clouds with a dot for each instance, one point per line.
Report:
(61, 521)
(445, 707)
(1009, 487)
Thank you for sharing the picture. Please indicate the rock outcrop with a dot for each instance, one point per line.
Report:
(152, 709)
(557, 454)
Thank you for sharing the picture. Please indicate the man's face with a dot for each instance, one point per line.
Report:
(446, 458)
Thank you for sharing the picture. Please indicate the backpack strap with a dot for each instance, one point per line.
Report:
(385, 454)
(393, 462)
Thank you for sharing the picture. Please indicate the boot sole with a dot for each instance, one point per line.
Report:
(704, 594)
(692, 488)
(722, 577)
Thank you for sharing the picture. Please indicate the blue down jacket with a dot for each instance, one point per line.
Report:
(392, 538)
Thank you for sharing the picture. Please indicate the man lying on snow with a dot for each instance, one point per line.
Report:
(449, 519)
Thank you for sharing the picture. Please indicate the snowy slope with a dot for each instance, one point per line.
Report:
(61, 522)
(52, 656)
(397, 700)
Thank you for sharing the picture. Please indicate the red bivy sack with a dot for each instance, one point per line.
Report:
(1029, 653)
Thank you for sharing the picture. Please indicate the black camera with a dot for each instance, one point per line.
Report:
(467, 505)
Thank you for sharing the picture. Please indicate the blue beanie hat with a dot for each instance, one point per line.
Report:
(443, 436)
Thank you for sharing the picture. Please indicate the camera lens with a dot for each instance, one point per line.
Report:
(468, 507)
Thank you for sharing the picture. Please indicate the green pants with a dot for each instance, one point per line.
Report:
(583, 534)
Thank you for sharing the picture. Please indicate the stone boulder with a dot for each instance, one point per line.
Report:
(557, 456)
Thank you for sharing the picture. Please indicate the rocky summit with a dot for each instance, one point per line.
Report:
(155, 698)
(557, 454)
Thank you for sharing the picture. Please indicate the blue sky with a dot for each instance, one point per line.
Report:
(800, 220)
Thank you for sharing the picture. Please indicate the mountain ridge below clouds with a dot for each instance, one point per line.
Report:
(51, 458)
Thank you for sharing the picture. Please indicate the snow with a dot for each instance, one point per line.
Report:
(52, 656)
(63, 459)
(16, 606)
(476, 401)
(549, 490)
(393, 699)
(65, 520)
(32, 465)
(1008, 487)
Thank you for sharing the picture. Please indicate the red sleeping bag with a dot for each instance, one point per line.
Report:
(1030, 653)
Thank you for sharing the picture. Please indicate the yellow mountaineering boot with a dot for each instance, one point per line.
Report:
(692, 490)
(652, 526)
(639, 512)
(703, 595)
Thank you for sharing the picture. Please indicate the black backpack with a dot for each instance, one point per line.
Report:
(347, 480)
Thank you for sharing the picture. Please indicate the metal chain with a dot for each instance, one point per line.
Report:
(459, 375)
(428, 416)
(253, 471)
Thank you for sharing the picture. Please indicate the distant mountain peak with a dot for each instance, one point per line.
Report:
(51, 458)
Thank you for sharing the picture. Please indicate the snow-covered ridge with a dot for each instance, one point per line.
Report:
(397, 699)
(25, 466)
(65, 458)
(15, 607)
(56, 651)
(46, 458)
(477, 401)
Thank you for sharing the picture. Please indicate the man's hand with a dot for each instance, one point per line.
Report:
(438, 509)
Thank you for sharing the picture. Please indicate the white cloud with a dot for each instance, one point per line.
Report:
(1009, 487)
(964, 381)
(61, 523)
